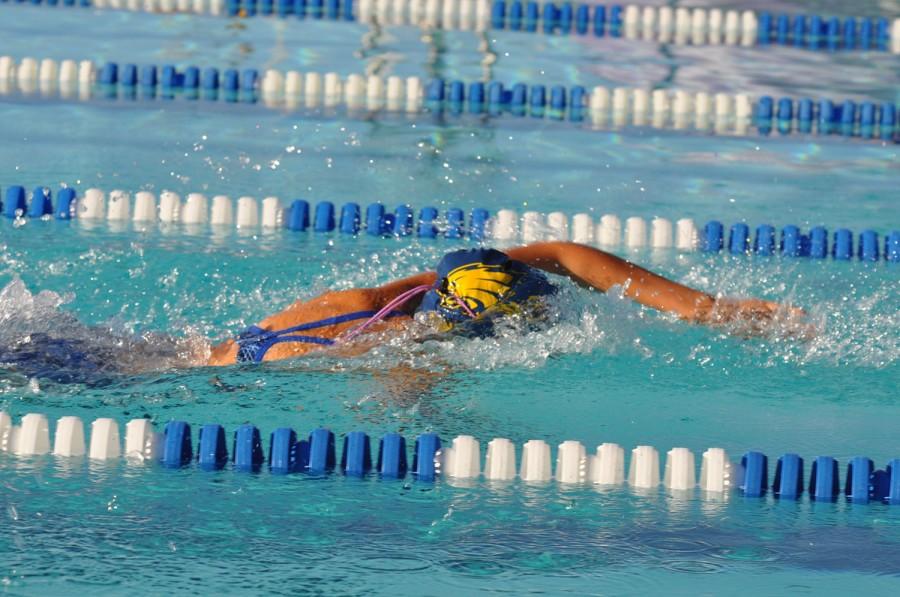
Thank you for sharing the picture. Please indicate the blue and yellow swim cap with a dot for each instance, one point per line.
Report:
(486, 281)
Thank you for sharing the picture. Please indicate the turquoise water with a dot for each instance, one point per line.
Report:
(608, 371)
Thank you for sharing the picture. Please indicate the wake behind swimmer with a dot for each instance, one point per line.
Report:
(39, 339)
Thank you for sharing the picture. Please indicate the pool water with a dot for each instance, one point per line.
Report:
(607, 371)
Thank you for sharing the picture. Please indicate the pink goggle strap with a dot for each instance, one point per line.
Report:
(463, 304)
(397, 301)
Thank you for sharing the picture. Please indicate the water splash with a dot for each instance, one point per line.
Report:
(854, 325)
(39, 339)
(854, 317)
(576, 322)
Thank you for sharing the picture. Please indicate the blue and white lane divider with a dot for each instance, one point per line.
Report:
(245, 214)
(504, 226)
(461, 458)
(726, 114)
(733, 114)
(698, 26)
(663, 24)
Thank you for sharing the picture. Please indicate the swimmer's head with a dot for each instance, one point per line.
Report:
(476, 285)
(471, 281)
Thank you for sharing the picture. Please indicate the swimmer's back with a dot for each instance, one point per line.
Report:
(328, 305)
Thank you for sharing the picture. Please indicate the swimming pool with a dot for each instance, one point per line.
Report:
(608, 372)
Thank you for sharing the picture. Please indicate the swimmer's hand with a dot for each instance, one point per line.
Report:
(755, 317)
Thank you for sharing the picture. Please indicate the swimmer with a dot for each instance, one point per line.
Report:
(468, 291)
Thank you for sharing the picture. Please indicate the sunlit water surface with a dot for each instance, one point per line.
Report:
(137, 303)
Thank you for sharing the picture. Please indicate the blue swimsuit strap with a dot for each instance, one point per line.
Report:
(254, 342)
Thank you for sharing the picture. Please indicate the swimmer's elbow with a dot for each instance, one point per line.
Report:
(548, 256)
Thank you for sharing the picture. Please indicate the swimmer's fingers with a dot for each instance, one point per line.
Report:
(729, 309)
(755, 317)
(780, 311)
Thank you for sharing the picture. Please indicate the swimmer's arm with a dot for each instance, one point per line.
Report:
(338, 302)
(600, 270)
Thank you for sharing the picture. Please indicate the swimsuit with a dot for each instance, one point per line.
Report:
(254, 342)
(473, 287)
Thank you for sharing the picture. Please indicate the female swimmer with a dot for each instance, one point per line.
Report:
(469, 289)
